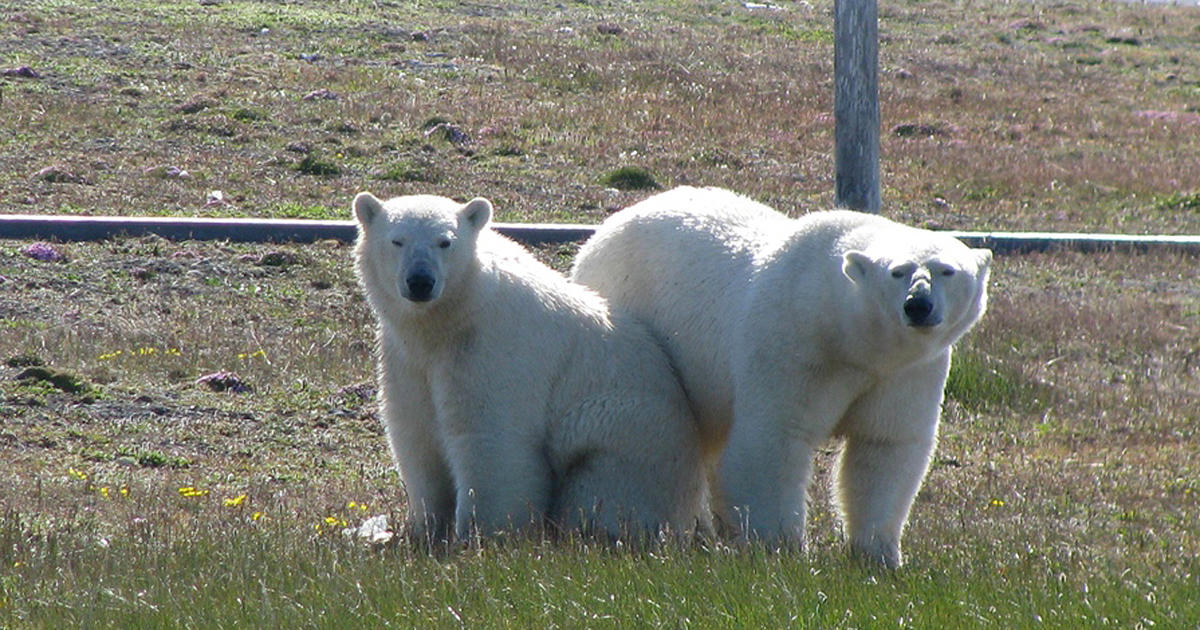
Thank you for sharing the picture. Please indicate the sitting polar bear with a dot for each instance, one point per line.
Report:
(511, 395)
(787, 332)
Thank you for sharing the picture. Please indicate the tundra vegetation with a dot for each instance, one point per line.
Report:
(187, 428)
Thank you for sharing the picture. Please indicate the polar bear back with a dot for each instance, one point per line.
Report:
(702, 243)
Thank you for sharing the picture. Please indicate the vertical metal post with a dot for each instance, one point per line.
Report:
(856, 104)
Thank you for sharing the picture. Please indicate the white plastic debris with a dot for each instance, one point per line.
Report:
(374, 530)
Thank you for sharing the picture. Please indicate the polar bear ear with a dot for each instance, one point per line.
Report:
(983, 257)
(855, 265)
(476, 213)
(366, 208)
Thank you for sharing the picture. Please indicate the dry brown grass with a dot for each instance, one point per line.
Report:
(1034, 115)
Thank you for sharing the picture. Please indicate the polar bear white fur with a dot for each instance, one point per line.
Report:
(787, 332)
(511, 395)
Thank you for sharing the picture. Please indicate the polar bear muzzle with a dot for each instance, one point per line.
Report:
(919, 309)
(420, 286)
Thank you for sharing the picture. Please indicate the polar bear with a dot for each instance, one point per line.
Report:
(510, 395)
(787, 332)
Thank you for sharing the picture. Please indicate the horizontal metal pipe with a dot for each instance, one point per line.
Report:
(92, 228)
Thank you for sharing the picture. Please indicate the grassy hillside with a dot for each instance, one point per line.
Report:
(996, 115)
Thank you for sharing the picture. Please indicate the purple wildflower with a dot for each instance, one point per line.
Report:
(44, 252)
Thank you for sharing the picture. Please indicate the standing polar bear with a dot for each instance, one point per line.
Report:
(510, 395)
(787, 332)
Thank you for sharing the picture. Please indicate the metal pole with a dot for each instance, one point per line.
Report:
(856, 104)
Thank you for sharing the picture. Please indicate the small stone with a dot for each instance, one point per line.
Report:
(59, 175)
(194, 105)
(25, 72)
(323, 94)
(167, 172)
(450, 132)
(224, 382)
(277, 259)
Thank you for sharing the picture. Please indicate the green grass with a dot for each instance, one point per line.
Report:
(224, 567)
(1064, 487)
(979, 384)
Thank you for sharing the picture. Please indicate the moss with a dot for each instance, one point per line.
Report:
(630, 178)
(60, 379)
(311, 165)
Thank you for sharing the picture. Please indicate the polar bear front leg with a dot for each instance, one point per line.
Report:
(876, 485)
(780, 417)
(764, 477)
(502, 483)
(890, 436)
(407, 412)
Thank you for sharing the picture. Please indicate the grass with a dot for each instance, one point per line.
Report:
(1065, 491)
(1065, 486)
(545, 586)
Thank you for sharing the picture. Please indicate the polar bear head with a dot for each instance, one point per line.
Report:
(921, 281)
(413, 250)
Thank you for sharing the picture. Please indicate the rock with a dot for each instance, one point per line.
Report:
(911, 130)
(224, 382)
(25, 72)
(449, 132)
(59, 175)
(194, 105)
(277, 259)
(167, 172)
(323, 94)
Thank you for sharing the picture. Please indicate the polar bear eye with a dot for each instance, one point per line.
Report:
(898, 273)
(947, 272)
(398, 243)
(445, 243)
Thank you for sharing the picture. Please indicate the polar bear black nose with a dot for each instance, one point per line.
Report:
(420, 287)
(919, 311)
